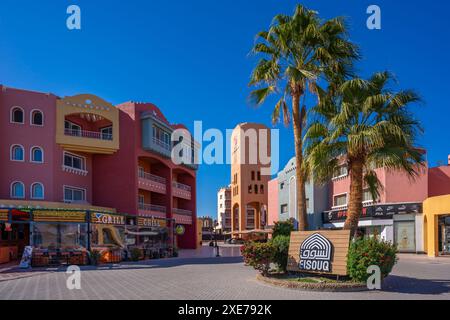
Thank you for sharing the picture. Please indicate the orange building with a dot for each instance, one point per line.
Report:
(250, 175)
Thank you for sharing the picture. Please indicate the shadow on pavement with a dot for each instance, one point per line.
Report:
(400, 284)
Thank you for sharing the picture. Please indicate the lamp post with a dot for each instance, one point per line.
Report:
(215, 238)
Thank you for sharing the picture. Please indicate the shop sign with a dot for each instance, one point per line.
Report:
(152, 222)
(59, 216)
(386, 211)
(321, 252)
(180, 230)
(4, 214)
(105, 218)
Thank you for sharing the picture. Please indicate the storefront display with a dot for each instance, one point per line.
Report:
(404, 235)
(444, 235)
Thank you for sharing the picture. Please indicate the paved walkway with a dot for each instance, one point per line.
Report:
(199, 274)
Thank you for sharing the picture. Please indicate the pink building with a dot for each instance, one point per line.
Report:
(272, 207)
(67, 158)
(396, 216)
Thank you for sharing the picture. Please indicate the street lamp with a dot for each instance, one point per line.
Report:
(216, 224)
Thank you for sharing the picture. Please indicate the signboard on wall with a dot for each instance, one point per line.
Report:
(321, 252)
(59, 216)
(152, 222)
(384, 211)
(106, 218)
(4, 214)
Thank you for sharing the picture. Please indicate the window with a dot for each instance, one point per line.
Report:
(107, 133)
(259, 176)
(141, 199)
(72, 194)
(17, 153)
(261, 189)
(284, 208)
(74, 161)
(367, 196)
(281, 186)
(253, 175)
(37, 155)
(17, 190)
(37, 118)
(340, 200)
(72, 129)
(37, 191)
(250, 189)
(17, 115)
(256, 189)
(341, 171)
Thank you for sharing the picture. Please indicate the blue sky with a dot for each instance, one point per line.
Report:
(191, 59)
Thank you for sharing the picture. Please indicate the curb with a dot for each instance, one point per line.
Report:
(320, 287)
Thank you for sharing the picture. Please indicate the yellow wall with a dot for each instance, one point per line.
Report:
(97, 106)
(432, 209)
(199, 232)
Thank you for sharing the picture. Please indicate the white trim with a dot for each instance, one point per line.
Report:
(11, 190)
(31, 154)
(76, 188)
(11, 115)
(11, 152)
(31, 118)
(83, 170)
(31, 191)
(346, 200)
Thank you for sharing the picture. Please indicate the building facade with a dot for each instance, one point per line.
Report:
(66, 161)
(224, 209)
(250, 175)
(397, 216)
(316, 197)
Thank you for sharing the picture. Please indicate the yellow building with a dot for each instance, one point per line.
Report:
(436, 225)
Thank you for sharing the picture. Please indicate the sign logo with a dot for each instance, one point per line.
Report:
(102, 218)
(315, 254)
(180, 230)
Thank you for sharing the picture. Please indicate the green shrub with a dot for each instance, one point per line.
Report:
(136, 254)
(364, 253)
(258, 255)
(283, 228)
(281, 250)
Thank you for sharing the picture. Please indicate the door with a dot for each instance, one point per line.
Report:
(404, 236)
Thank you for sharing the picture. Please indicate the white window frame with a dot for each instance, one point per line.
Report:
(338, 195)
(31, 154)
(84, 169)
(367, 201)
(74, 188)
(32, 193)
(11, 190)
(11, 152)
(11, 112)
(342, 175)
(31, 118)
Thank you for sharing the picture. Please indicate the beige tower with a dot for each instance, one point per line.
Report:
(250, 174)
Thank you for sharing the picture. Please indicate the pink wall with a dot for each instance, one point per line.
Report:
(272, 206)
(439, 181)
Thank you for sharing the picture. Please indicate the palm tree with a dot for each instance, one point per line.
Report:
(368, 126)
(297, 52)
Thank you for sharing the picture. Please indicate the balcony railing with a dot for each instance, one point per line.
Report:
(151, 177)
(88, 134)
(162, 144)
(182, 212)
(152, 207)
(181, 186)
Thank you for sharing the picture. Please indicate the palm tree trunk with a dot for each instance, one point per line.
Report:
(356, 194)
(298, 138)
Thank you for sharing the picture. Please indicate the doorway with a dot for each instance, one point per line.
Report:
(15, 238)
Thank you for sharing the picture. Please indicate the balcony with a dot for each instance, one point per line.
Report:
(181, 190)
(182, 216)
(151, 182)
(151, 210)
(86, 123)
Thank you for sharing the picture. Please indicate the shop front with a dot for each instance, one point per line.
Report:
(399, 223)
(436, 220)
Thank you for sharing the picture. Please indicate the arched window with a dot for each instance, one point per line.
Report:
(256, 189)
(17, 190)
(37, 155)
(37, 191)
(17, 153)
(37, 118)
(17, 115)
